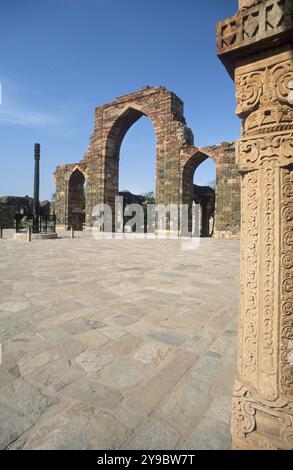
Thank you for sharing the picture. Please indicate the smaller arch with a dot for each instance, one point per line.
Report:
(77, 169)
(190, 163)
(191, 193)
(76, 199)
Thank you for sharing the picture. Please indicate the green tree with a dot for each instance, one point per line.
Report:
(212, 184)
(53, 203)
(149, 197)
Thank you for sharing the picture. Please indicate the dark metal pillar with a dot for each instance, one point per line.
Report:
(36, 206)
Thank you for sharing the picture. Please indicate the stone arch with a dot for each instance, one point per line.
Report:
(101, 161)
(176, 158)
(165, 111)
(189, 164)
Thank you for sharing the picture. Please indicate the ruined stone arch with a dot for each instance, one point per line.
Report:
(165, 111)
(63, 176)
(176, 157)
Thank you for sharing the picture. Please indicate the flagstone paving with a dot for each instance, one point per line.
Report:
(117, 344)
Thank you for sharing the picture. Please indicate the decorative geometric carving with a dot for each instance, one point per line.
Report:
(274, 15)
(258, 20)
(251, 25)
(248, 3)
(229, 34)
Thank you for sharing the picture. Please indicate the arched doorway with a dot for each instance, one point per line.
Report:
(114, 143)
(76, 200)
(137, 166)
(204, 194)
(198, 190)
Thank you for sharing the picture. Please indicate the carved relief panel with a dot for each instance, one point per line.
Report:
(263, 393)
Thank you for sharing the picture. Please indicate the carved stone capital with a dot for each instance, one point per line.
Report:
(264, 83)
(255, 26)
(263, 95)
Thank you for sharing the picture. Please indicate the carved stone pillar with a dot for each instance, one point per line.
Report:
(256, 47)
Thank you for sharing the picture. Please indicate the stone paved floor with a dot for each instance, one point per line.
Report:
(117, 344)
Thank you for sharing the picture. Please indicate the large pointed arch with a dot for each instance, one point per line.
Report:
(115, 136)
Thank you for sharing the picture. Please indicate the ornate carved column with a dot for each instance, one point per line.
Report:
(256, 47)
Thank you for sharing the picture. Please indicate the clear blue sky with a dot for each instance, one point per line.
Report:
(62, 58)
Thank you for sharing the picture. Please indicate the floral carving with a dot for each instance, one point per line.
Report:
(268, 315)
(248, 318)
(260, 93)
(282, 74)
(252, 416)
(287, 279)
(274, 150)
(249, 88)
